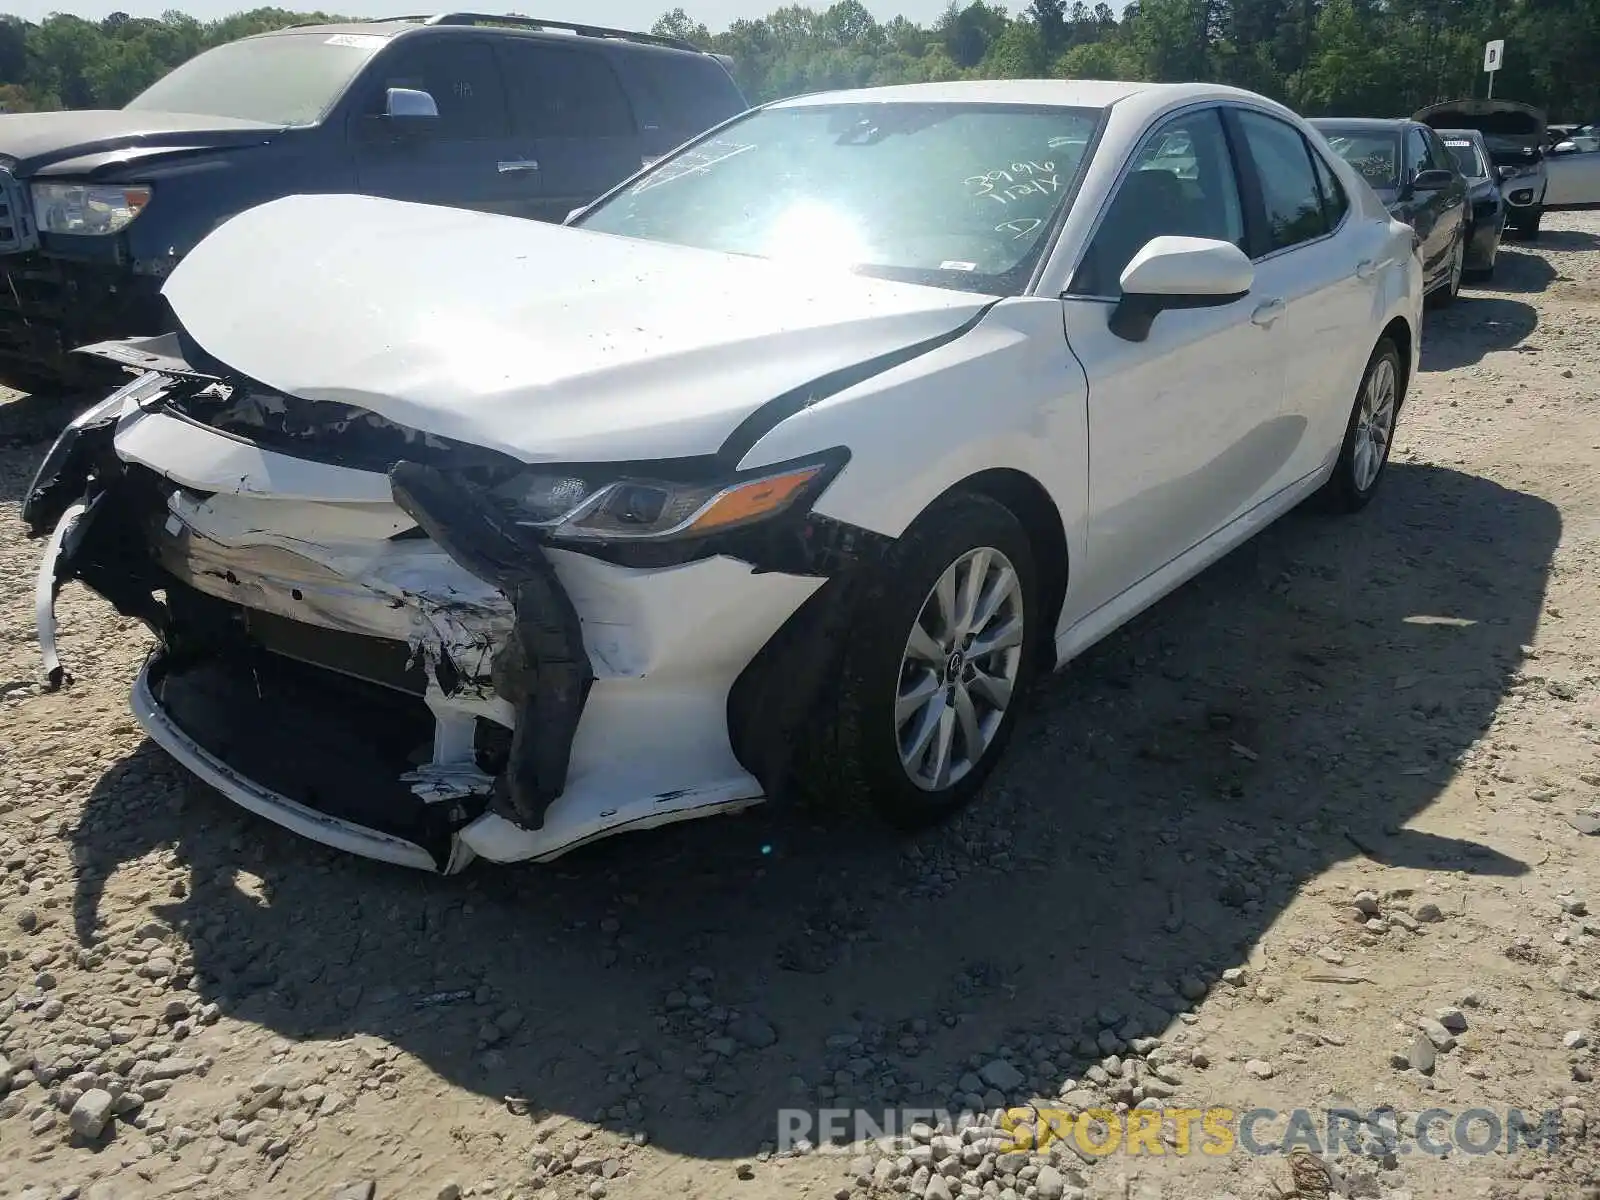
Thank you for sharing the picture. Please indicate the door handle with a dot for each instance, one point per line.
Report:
(1366, 269)
(506, 166)
(1267, 313)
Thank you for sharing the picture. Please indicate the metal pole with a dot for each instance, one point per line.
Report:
(1491, 85)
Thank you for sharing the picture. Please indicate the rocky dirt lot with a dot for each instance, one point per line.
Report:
(1318, 831)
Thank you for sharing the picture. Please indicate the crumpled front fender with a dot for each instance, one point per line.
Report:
(544, 670)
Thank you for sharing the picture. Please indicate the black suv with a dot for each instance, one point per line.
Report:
(505, 114)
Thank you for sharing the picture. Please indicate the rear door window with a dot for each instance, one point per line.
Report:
(1335, 203)
(689, 94)
(1289, 191)
(558, 92)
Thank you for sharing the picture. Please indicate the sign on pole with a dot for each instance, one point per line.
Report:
(1493, 53)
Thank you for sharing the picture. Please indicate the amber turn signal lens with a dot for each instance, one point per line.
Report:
(753, 500)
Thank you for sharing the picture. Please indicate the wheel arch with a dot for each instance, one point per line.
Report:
(1399, 331)
(1031, 503)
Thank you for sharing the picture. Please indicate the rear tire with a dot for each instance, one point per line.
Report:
(942, 652)
(1485, 273)
(1445, 296)
(1369, 434)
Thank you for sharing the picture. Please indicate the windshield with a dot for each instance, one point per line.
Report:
(1468, 160)
(955, 195)
(284, 79)
(1375, 156)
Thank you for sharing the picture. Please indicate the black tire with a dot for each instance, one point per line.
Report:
(1486, 273)
(1527, 223)
(858, 757)
(1344, 491)
(1444, 297)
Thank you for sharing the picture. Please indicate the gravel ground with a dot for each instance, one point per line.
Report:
(1316, 831)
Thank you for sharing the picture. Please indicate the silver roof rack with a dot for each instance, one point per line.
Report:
(519, 22)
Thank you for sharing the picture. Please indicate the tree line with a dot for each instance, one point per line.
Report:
(1348, 57)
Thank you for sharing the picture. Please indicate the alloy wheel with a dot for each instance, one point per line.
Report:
(960, 668)
(1374, 424)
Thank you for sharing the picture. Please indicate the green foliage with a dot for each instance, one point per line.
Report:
(1353, 57)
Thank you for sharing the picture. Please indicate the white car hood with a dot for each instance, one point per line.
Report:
(544, 342)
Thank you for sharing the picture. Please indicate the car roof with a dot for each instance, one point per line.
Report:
(369, 28)
(1364, 124)
(465, 23)
(1054, 93)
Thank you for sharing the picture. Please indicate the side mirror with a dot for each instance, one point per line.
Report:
(1433, 181)
(1506, 173)
(1178, 272)
(403, 105)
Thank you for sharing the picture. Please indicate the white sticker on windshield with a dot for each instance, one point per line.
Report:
(951, 264)
(358, 41)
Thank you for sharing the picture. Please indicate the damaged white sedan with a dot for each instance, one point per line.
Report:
(801, 453)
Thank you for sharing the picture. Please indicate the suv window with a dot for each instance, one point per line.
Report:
(459, 74)
(1180, 182)
(689, 94)
(1289, 190)
(1335, 203)
(558, 92)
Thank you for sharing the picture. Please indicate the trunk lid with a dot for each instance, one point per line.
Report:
(1514, 131)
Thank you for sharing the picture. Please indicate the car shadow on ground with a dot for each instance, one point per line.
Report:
(1475, 326)
(1296, 706)
(1518, 271)
(1568, 239)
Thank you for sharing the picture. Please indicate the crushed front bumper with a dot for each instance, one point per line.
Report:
(374, 665)
(49, 306)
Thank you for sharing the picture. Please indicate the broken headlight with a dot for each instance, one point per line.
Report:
(578, 507)
(87, 208)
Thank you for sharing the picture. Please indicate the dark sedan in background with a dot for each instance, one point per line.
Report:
(1413, 173)
(1486, 211)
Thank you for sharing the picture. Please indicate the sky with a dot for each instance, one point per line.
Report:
(621, 14)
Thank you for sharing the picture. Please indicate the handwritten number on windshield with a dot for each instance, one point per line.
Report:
(1029, 178)
(1019, 228)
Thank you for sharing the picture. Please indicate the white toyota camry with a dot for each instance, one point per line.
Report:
(794, 458)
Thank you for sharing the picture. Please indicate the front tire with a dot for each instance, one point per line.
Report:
(1369, 435)
(942, 653)
(1527, 224)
